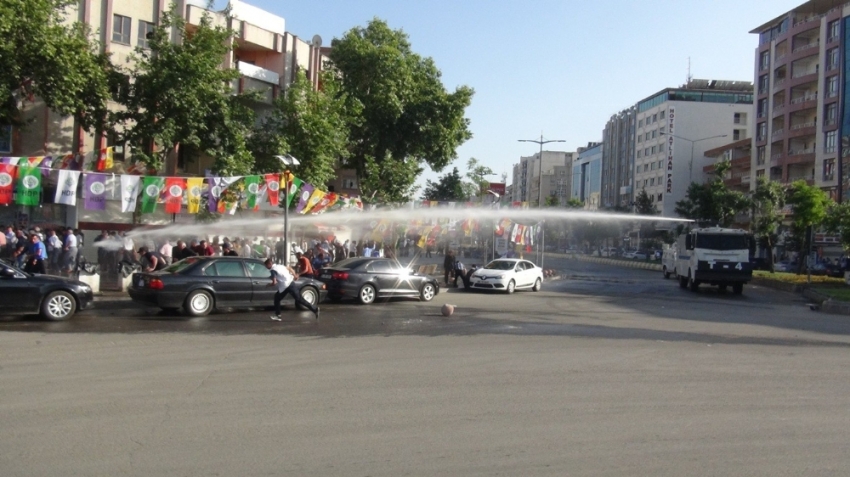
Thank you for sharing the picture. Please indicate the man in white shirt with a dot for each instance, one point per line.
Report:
(283, 277)
(165, 251)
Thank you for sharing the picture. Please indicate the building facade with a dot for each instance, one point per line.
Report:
(531, 188)
(587, 176)
(618, 159)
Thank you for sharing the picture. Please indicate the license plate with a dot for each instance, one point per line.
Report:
(140, 283)
(326, 276)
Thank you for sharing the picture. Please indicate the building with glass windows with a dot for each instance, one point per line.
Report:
(528, 183)
(618, 159)
(587, 176)
(798, 94)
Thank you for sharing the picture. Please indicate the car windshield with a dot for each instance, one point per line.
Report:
(722, 241)
(500, 265)
(351, 263)
(181, 265)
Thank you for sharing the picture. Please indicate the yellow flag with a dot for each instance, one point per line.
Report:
(194, 185)
(110, 158)
(314, 199)
(423, 239)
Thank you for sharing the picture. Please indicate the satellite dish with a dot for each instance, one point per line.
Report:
(317, 41)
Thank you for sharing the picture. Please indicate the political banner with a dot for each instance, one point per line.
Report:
(151, 188)
(7, 183)
(294, 185)
(273, 188)
(66, 187)
(94, 191)
(217, 185)
(174, 187)
(194, 186)
(306, 192)
(129, 192)
(105, 159)
(28, 191)
(314, 200)
(252, 189)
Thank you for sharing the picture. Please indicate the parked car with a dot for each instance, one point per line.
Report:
(784, 266)
(508, 275)
(366, 279)
(640, 255)
(55, 298)
(201, 284)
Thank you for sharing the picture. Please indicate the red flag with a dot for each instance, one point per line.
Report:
(7, 183)
(273, 188)
(174, 187)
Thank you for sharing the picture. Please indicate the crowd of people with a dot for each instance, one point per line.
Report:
(55, 251)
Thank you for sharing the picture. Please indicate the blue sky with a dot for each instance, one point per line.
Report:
(560, 68)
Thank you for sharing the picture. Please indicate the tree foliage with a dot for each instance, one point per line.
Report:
(44, 57)
(307, 124)
(712, 203)
(809, 204)
(406, 116)
(767, 202)
(449, 187)
(477, 174)
(182, 96)
(644, 204)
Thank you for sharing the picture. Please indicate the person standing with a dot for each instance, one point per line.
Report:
(37, 254)
(69, 251)
(54, 250)
(449, 264)
(166, 252)
(283, 277)
(227, 251)
(182, 251)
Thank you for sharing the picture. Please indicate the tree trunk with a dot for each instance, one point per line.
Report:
(770, 255)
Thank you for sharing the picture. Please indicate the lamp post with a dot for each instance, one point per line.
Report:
(498, 199)
(692, 141)
(541, 142)
(287, 161)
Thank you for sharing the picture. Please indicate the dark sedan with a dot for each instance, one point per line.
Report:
(55, 298)
(366, 279)
(201, 284)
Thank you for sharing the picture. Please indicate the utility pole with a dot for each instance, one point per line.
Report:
(541, 142)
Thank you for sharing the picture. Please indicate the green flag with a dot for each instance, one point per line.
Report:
(252, 188)
(28, 191)
(293, 189)
(151, 187)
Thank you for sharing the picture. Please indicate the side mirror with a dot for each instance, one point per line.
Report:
(8, 273)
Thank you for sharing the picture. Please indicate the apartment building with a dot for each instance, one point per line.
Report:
(527, 181)
(674, 129)
(618, 159)
(739, 154)
(587, 176)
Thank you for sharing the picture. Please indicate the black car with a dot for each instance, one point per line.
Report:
(55, 298)
(200, 284)
(366, 279)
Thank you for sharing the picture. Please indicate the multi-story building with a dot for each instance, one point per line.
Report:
(587, 176)
(266, 55)
(799, 95)
(739, 154)
(554, 182)
(674, 129)
(618, 158)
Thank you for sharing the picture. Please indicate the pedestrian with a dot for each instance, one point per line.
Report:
(204, 249)
(181, 251)
(69, 251)
(151, 261)
(283, 277)
(304, 267)
(54, 250)
(460, 272)
(36, 256)
(166, 251)
(449, 264)
(227, 251)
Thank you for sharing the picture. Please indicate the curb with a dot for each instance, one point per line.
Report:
(620, 263)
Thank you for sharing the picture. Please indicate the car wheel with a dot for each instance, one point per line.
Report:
(310, 295)
(199, 303)
(666, 273)
(428, 292)
(58, 306)
(367, 294)
(511, 287)
(537, 285)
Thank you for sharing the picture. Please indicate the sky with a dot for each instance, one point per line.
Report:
(560, 68)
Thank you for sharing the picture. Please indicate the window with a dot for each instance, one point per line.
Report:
(661, 147)
(832, 59)
(226, 269)
(113, 140)
(764, 60)
(640, 139)
(761, 154)
(830, 114)
(121, 29)
(661, 115)
(646, 136)
(652, 181)
(640, 154)
(640, 123)
(660, 196)
(762, 131)
(763, 83)
(828, 169)
(258, 270)
(655, 117)
(646, 152)
(652, 166)
(380, 266)
(829, 141)
(653, 149)
(654, 134)
(760, 173)
(761, 109)
(349, 183)
(738, 134)
(6, 139)
(832, 30)
(832, 86)
(145, 32)
(740, 118)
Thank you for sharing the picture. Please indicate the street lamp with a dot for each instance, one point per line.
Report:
(287, 160)
(692, 141)
(541, 142)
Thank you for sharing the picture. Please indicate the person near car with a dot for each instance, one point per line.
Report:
(36, 255)
(166, 251)
(449, 264)
(303, 265)
(283, 278)
(181, 251)
(54, 250)
(227, 251)
(204, 249)
(151, 261)
(69, 251)
(459, 272)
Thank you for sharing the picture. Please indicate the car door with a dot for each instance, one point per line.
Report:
(260, 280)
(527, 273)
(382, 273)
(18, 293)
(231, 285)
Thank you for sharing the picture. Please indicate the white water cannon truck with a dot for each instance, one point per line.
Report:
(714, 255)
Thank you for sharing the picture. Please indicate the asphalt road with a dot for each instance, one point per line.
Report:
(608, 371)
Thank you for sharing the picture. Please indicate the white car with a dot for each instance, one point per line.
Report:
(508, 275)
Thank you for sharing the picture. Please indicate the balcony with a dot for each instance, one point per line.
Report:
(778, 83)
(800, 126)
(262, 74)
(778, 132)
(800, 152)
(745, 179)
(805, 47)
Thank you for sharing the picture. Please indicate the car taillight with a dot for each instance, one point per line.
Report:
(156, 284)
(340, 276)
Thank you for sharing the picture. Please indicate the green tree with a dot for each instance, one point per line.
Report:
(713, 203)
(448, 188)
(477, 174)
(552, 201)
(308, 124)
(575, 204)
(180, 96)
(767, 202)
(809, 204)
(644, 204)
(838, 222)
(406, 117)
(45, 57)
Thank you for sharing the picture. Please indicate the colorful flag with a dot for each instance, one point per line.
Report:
(94, 191)
(46, 165)
(252, 188)
(273, 188)
(28, 191)
(151, 188)
(129, 192)
(314, 200)
(328, 200)
(174, 187)
(194, 186)
(306, 192)
(13, 161)
(105, 159)
(294, 185)
(7, 183)
(217, 186)
(66, 187)
(68, 161)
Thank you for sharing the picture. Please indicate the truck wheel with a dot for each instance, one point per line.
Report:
(692, 284)
(683, 282)
(737, 288)
(666, 273)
